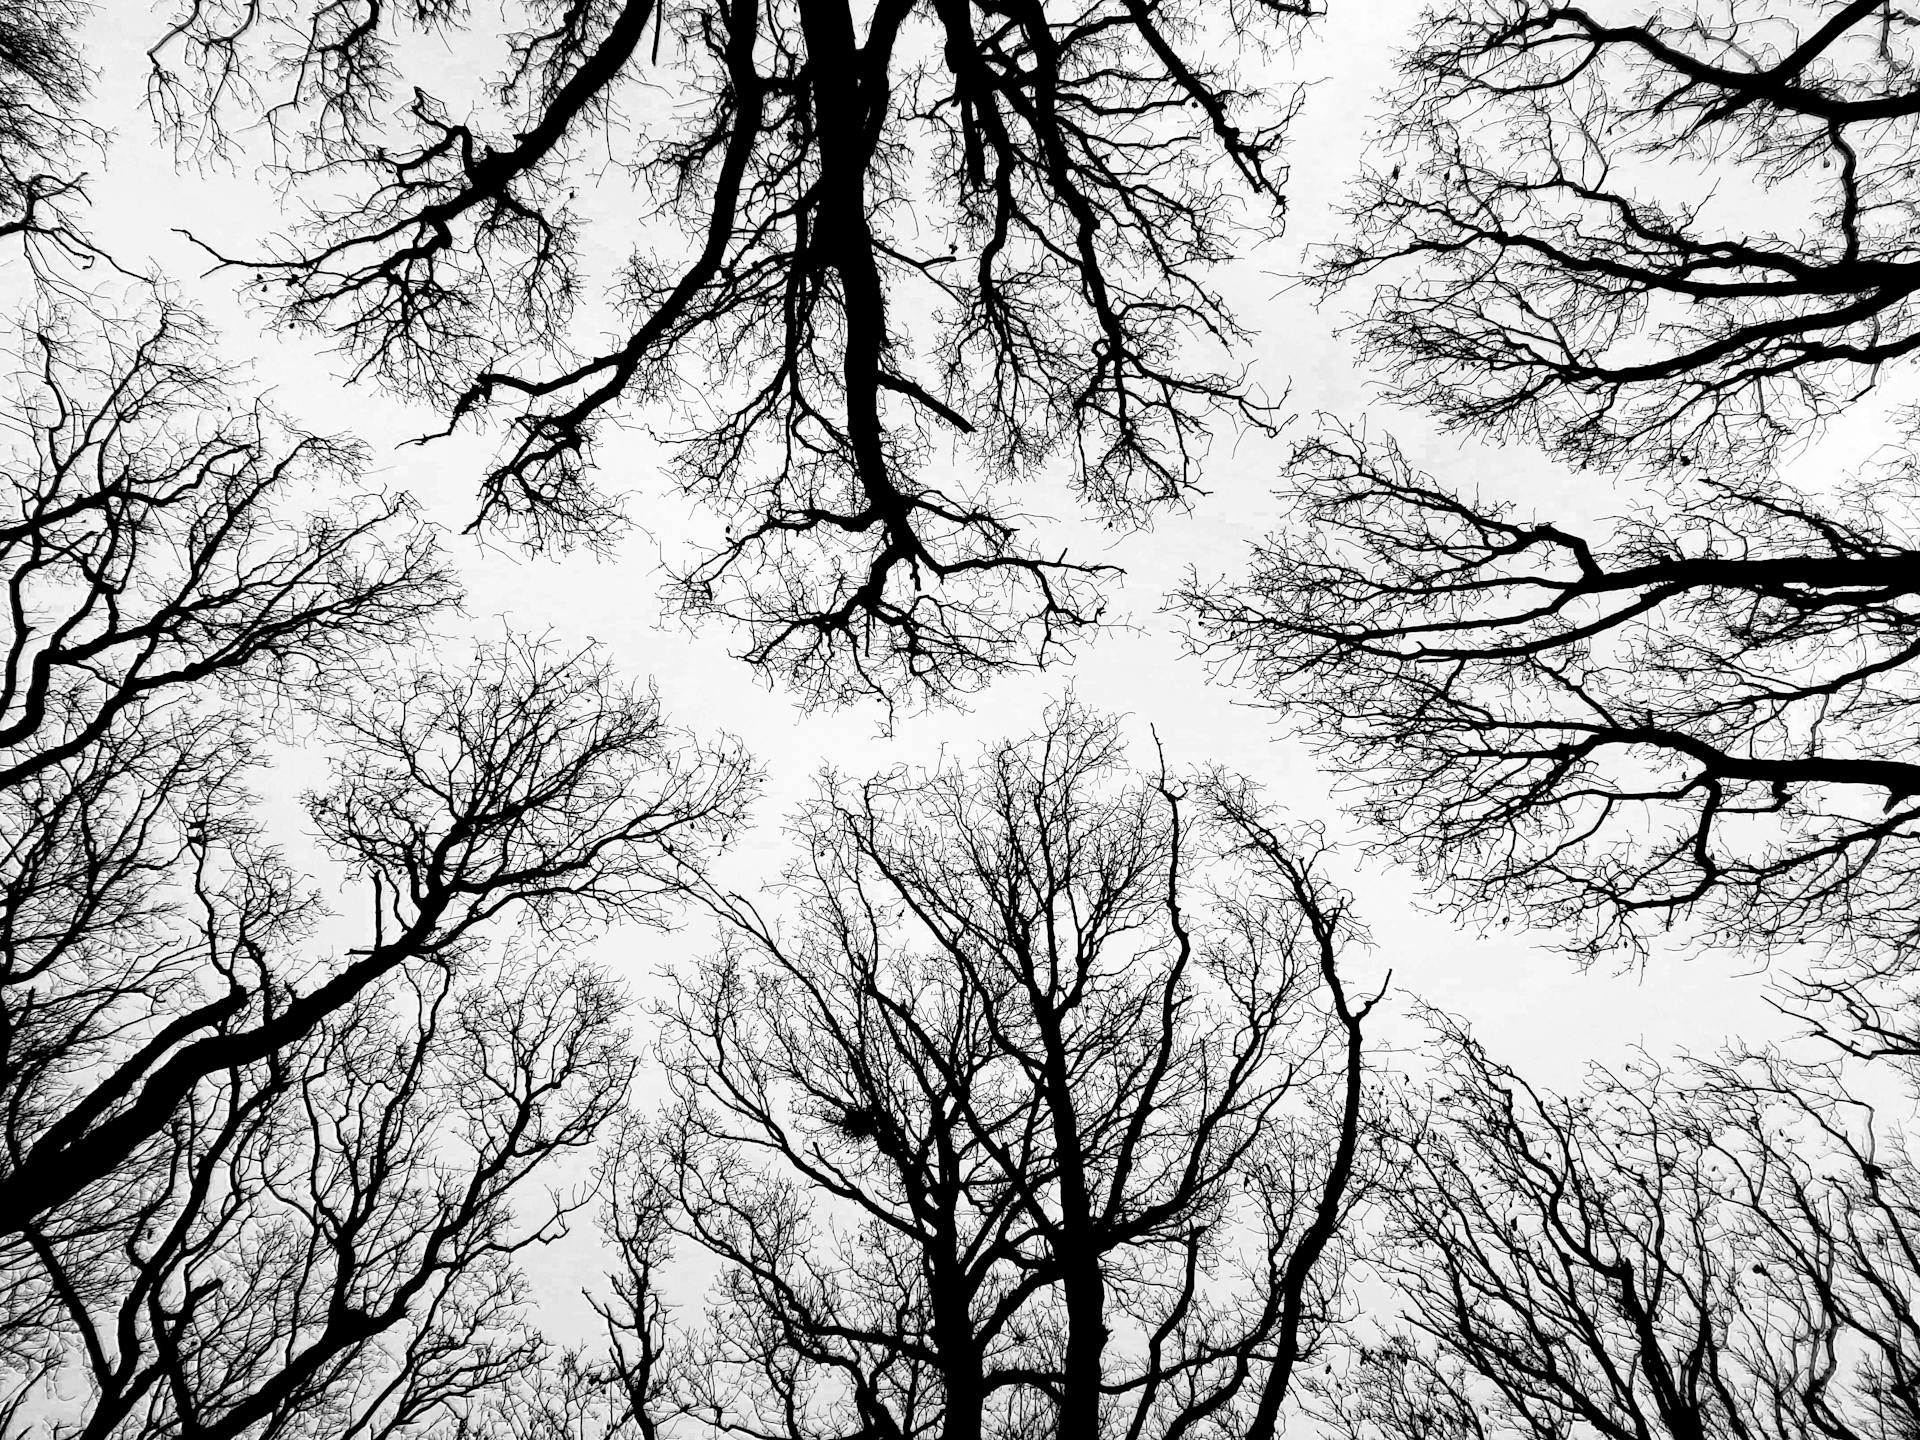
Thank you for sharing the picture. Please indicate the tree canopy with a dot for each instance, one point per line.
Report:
(1045, 1091)
(1695, 713)
(1673, 237)
(882, 266)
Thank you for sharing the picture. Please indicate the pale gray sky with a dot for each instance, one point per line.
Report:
(1527, 1002)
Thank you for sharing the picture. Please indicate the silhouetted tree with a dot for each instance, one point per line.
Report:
(1675, 235)
(1871, 1012)
(1700, 712)
(1665, 242)
(1706, 710)
(248, 1185)
(149, 551)
(1729, 1249)
(632, 1382)
(44, 85)
(860, 233)
(326, 1243)
(1041, 1115)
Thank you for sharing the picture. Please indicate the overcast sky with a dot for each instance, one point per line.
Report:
(1527, 1002)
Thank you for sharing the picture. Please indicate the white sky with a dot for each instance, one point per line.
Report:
(1531, 1005)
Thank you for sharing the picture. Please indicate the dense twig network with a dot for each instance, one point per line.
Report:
(1037, 1097)
(1708, 711)
(868, 239)
(247, 1185)
(1049, 1102)
(1714, 1250)
(1670, 238)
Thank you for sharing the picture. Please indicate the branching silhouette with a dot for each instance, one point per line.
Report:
(930, 225)
(325, 1243)
(532, 784)
(1707, 712)
(1697, 714)
(632, 1383)
(248, 1186)
(1042, 1114)
(44, 85)
(1871, 1012)
(1728, 1249)
(149, 553)
(1674, 238)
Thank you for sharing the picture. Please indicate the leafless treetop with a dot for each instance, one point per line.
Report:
(854, 242)
(1676, 236)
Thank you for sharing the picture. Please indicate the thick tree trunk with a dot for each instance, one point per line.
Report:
(1084, 1290)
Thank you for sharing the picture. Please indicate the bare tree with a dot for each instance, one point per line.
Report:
(1674, 237)
(44, 132)
(149, 549)
(860, 235)
(1663, 242)
(248, 1185)
(1041, 1115)
(1720, 1250)
(632, 1384)
(1699, 713)
(325, 1243)
(1706, 710)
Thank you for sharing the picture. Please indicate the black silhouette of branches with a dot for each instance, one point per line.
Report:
(632, 1382)
(325, 1243)
(148, 551)
(44, 131)
(1719, 1250)
(1042, 1113)
(864, 240)
(1706, 711)
(534, 783)
(249, 1183)
(1675, 236)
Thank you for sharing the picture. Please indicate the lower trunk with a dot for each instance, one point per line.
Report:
(962, 1363)
(966, 1399)
(1084, 1291)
